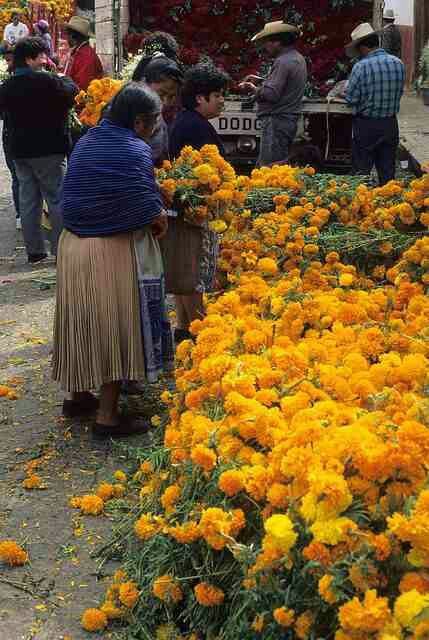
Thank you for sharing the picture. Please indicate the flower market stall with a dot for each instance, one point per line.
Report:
(284, 492)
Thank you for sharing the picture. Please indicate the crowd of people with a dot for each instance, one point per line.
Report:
(118, 247)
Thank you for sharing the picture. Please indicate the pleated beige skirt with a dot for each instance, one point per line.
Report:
(97, 331)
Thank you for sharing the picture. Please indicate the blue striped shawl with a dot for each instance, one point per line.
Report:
(110, 184)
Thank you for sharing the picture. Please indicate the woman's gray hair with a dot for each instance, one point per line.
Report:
(132, 101)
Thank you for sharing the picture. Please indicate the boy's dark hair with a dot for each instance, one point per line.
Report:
(202, 80)
(161, 42)
(157, 70)
(28, 48)
(15, 13)
(372, 41)
(133, 100)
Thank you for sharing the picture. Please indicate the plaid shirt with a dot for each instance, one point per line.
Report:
(376, 85)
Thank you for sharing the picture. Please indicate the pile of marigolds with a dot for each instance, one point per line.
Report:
(288, 494)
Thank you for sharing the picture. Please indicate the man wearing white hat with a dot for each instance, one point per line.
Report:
(374, 91)
(391, 37)
(279, 96)
(83, 65)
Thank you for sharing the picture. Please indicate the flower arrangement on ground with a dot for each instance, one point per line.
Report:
(288, 494)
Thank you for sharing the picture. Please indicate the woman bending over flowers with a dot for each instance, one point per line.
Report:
(110, 322)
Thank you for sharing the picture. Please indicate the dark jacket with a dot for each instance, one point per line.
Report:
(392, 40)
(191, 128)
(36, 106)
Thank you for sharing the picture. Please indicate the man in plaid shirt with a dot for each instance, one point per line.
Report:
(374, 91)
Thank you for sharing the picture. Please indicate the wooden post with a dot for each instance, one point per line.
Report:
(377, 14)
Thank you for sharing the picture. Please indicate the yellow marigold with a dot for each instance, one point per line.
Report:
(119, 576)
(231, 482)
(170, 496)
(410, 605)
(203, 457)
(146, 467)
(155, 421)
(284, 617)
(165, 588)
(280, 528)
(128, 594)
(75, 502)
(91, 505)
(94, 620)
(145, 527)
(33, 481)
(12, 553)
(111, 610)
(267, 266)
(332, 532)
(324, 588)
(346, 279)
(258, 623)
(120, 476)
(368, 616)
(207, 595)
(254, 340)
(105, 491)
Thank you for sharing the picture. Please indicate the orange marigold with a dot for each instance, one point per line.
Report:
(165, 588)
(128, 594)
(231, 482)
(203, 457)
(208, 595)
(284, 617)
(368, 616)
(91, 505)
(12, 553)
(170, 496)
(94, 620)
(105, 491)
(33, 481)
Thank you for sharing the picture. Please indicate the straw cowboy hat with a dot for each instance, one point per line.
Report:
(389, 14)
(360, 33)
(79, 24)
(273, 29)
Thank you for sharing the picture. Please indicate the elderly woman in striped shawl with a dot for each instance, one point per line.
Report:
(110, 323)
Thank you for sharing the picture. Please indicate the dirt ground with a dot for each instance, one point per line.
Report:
(44, 599)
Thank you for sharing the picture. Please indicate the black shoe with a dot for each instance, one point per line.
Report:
(36, 257)
(180, 335)
(127, 426)
(84, 407)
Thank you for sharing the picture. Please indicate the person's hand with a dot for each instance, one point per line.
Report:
(252, 78)
(160, 225)
(248, 86)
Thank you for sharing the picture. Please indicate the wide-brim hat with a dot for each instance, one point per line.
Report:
(80, 25)
(273, 29)
(389, 14)
(360, 33)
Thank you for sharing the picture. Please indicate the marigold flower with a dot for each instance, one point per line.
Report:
(128, 594)
(120, 476)
(204, 457)
(12, 553)
(111, 610)
(166, 588)
(284, 617)
(258, 623)
(146, 527)
(324, 588)
(410, 605)
(267, 266)
(368, 616)
(118, 490)
(33, 481)
(231, 482)
(94, 620)
(170, 496)
(208, 595)
(105, 491)
(280, 528)
(91, 505)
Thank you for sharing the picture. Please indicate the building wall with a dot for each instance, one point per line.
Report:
(104, 31)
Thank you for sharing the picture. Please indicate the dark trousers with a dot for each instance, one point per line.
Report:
(15, 183)
(375, 142)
